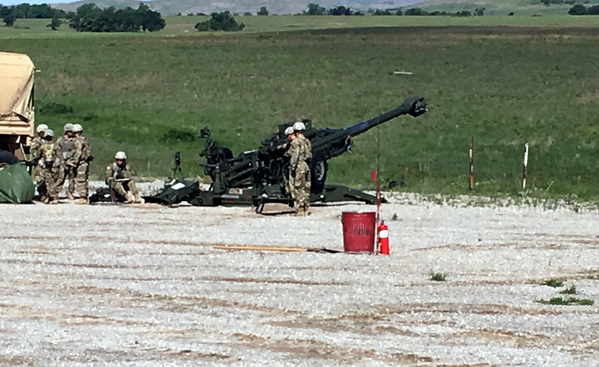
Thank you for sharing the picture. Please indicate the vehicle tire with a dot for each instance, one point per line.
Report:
(7, 157)
(318, 171)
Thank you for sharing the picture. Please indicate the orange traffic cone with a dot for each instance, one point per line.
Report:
(383, 239)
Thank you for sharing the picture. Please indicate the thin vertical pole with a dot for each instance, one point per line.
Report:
(471, 176)
(378, 189)
(524, 165)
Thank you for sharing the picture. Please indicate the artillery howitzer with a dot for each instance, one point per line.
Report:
(257, 177)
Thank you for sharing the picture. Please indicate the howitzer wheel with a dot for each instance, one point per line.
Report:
(319, 169)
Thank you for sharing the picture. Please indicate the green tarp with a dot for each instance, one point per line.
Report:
(16, 185)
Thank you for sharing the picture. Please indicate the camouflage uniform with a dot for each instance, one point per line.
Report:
(51, 167)
(80, 183)
(113, 173)
(36, 146)
(71, 150)
(299, 153)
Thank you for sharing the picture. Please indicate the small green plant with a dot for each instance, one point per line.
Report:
(437, 277)
(569, 290)
(394, 217)
(566, 301)
(553, 283)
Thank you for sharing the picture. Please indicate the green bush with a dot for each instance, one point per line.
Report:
(220, 22)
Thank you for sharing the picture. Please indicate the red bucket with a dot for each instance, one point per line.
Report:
(358, 231)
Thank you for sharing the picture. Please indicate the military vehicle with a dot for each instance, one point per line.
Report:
(257, 177)
(16, 103)
(16, 127)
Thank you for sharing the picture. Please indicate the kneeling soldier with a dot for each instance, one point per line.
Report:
(118, 178)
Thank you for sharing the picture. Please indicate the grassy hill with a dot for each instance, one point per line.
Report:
(500, 85)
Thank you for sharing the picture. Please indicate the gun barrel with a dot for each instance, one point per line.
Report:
(414, 106)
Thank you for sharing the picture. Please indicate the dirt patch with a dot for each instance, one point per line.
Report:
(274, 281)
(310, 349)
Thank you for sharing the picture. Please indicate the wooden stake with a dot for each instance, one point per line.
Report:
(524, 165)
(471, 176)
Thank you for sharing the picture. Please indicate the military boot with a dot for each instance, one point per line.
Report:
(129, 199)
(300, 212)
(81, 201)
(137, 199)
(306, 211)
(53, 201)
(70, 196)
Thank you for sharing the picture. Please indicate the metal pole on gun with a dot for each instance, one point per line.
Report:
(524, 165)
(471, 176)
(378, 186)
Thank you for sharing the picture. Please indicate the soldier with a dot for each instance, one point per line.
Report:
(300, 154)
(71, 154)
(36, 144)
(50, 158)
(118, 178)
(290, 134)
(80, 183)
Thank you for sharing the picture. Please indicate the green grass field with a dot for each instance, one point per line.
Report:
(501, 85)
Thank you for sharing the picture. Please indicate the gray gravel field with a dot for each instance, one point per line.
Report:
(142, 285)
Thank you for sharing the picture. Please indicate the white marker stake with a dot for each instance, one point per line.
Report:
(524, 165)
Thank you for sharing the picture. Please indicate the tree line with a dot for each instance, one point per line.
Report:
(580, 9)
(10, 14)
(90, 18)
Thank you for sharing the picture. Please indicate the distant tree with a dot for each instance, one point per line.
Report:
(315, 9)
(54, 24)
(9, 20)
(370, 11)
(510, 14)
(479, 11)
(340, 10)
(399, 12)
(90, 18)
(31, 11)
(220, 22)
(463, 13)
(593, 10)
(578, 9)
(415, 11)
(382, 12)
(262, 11)
(247, 13)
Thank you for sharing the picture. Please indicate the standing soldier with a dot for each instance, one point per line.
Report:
(50, 158)
(300, 153)
(118, 178)
(36, 145)
(80, 182)
(290, 134)
(71, 153)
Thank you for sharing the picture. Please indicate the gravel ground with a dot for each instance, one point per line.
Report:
(142, 285)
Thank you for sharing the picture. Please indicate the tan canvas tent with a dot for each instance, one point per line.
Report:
(16, 101)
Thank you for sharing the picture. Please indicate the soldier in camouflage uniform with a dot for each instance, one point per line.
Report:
(290, 134)
(300, 154)
(118, 178)
(36, 145)
(80, 183)
(71, 154)
(50, 157)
